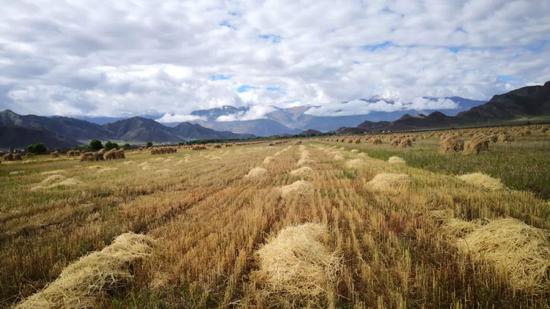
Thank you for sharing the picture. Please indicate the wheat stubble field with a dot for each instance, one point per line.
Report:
(323, 223)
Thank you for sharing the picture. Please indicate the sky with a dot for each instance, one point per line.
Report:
(125, 58)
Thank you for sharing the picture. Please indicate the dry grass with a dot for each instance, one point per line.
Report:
(389, 182)
(298, 264)
(298, 188)
(396, 160)
(398, 245)
(82, 283)
(483, 181)
(256, 172)
(355, 163)
(521, 253)
(268, 160)
(302, 172)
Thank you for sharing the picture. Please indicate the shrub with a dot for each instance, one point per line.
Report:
(95, 145)
(38, 148)
(110, 145)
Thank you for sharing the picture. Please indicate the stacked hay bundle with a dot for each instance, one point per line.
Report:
(91, 156)
(296, 266)
(451, 144)
(389, 182)
(163, 150)
(73, 153)
(405, 143)
(476, 145)
(504, 137)
(376, 141)
(199, 147)
(256, 172)
(83, 283)
(482, 180)
(114, 154)
(303, 172)
(300, 188)
(517, 250)
(12, 156)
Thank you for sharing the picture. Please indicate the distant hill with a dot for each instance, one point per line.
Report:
(523, 103)
(141, 130)
(18, 137)
(61, 127)
(59, 132)
(187, 130)
(259, 127)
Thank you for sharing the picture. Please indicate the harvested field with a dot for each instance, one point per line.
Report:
(223, 229)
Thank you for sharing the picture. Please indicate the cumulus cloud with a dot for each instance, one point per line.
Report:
(133, 57)
(379, 104)
(254, 112)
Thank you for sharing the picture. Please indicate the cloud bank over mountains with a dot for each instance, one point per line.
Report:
(122, 58)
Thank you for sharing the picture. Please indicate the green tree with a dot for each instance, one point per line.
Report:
(37, 148)
(149, 144)
(126, 146)
(95, 144)
(110, 145)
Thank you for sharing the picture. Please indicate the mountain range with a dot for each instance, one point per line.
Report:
(527, 103)
(60, 132)
(294, 120)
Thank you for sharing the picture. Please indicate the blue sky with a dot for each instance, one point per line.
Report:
(142, 57)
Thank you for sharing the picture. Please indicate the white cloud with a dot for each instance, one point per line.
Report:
(139, 56)
(170, 118)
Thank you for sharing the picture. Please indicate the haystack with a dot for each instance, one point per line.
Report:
(451, 144)
(298, 263)
(84, 282)
(504, 138)
(302, 172)
(376, 141)
(396, 160)
(517, 250)
(256, 172)
(389, 182)
(297, 188)
(406, 142)
(354, 151)
(476, 145)
(482, 180)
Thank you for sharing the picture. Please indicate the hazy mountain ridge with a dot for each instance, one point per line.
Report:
(296, 119)
(525, 102)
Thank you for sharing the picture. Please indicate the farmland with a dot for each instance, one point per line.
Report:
(324, 222)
